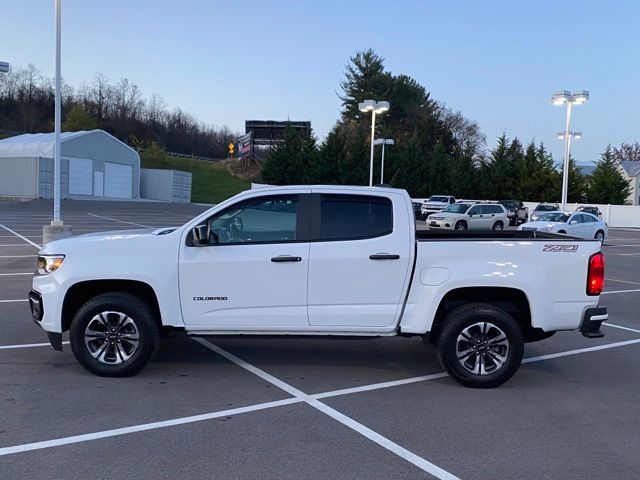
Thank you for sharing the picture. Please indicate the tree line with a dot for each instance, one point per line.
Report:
(436, 151)
(27, 104)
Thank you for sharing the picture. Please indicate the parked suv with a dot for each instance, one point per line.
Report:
(516, 211)
(543, 208)
(590, 209)
(436, 203)
(470, 216)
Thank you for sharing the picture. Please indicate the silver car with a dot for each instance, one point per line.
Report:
(469, 216)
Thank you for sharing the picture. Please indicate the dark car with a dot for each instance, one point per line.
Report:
(417, 206)
(590, 209)
(516, 211)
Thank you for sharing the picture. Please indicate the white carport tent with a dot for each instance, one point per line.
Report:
(94, 163)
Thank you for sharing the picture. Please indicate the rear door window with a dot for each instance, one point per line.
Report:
(352, 217)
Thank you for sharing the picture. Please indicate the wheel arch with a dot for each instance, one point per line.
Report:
(79, 293)
(512, 300)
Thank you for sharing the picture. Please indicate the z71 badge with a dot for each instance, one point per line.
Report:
(560, 248)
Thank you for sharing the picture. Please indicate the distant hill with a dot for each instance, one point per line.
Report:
(586, 168)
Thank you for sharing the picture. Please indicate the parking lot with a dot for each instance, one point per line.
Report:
(308, 408)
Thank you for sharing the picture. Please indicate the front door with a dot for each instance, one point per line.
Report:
(253, 273)
(359, 262)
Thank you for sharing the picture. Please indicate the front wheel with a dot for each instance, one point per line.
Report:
(480, 345)
(461, 226)
(498, 226)
(599, 236)
(114, 335)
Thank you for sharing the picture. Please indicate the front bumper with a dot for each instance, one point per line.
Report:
(439, 224)
(592, 320)
(37, 314)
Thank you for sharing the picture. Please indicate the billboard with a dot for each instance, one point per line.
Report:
(245, 145)
(269, 132)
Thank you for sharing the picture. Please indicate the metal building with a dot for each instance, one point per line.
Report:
(94, 164)
(165, 185)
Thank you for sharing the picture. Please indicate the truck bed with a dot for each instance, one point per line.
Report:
(433, 235)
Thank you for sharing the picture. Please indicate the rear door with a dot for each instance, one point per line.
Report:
(358, 261)
(478, 218)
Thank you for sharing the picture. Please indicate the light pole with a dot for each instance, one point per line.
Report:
(56, 230)
(375, 108)
(383, 142)
(576, 98)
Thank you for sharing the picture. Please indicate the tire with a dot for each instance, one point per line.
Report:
(498, 226)
(599, 236)
(495, 365)
(108, 352)
(562, 231)
(461, 225)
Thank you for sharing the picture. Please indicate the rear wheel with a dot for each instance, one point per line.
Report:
(599, 236)
(480, 345)
(114, 335)
(498, 226)
(461, 225)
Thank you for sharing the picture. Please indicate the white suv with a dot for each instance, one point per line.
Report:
(469, 216)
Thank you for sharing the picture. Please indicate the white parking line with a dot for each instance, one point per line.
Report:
(14, 301)
(141, 428)
(18, 256)
(384, 442)
(119, 221)
(621, 291)
(621, 281)
(27, 345)
(263, 406)
(11, 274)
(20, 236)
(621, 327)
(14, 245)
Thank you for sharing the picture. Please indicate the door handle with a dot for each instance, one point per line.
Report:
(384, 256)
(286, 258)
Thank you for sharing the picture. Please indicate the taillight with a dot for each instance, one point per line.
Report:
(595, 275)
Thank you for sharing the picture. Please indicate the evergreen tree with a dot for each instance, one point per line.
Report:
(607, 184)
(577, 192)
(291, 161)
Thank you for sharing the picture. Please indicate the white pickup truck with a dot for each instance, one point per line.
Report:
(318, 260)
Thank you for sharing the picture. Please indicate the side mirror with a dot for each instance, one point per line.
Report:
(573, 222)
(200, 236)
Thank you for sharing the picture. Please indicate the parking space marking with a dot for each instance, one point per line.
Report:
(11, 274)
(143, 427)
(20, 236)
(13, 245)
(366, 432)
(18, 256)
(27, 345)
(311, 399)
(621, 281)
(621, 291)
(14, 301)
(119, 221)
(621, 327)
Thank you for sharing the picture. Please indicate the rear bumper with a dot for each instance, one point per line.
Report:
(592, 320)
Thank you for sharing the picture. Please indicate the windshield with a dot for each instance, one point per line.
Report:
(509, 204)
(457, 208)
(438, 199)
(554, 217)
(546, 208)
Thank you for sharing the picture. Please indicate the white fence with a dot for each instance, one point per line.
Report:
(616, 216)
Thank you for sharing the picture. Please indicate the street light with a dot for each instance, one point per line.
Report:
(4, 67)
(572, 134)
(576, 98)
(383, 142)
(56, 230)
(375, 108)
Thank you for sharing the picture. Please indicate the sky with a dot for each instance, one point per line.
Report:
(227, 61)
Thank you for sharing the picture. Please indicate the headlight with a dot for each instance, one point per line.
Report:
(47, 264)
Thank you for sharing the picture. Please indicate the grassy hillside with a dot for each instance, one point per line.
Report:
(212, 182)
